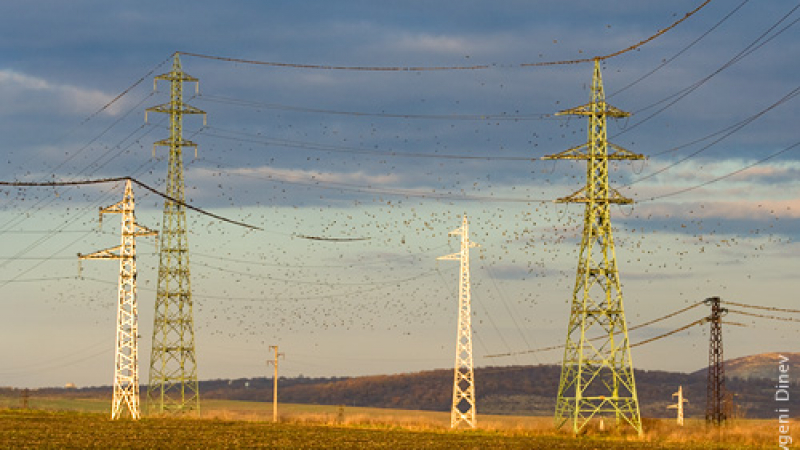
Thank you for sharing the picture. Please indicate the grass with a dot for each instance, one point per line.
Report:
(70, 423)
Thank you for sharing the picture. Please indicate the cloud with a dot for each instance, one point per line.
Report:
(24, 93)
(452, 44)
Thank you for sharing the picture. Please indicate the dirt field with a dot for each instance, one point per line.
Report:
(248, 425)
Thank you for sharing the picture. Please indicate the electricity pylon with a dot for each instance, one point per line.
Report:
(679, 404)
(126, 357)
(463, 409)
(173, 383)
(715, 414)
(597, 375)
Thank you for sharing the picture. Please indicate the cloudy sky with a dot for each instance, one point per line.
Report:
(396, 157)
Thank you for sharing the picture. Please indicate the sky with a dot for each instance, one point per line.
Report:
(395, 159)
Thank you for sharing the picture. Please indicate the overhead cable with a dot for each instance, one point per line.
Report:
(442, 68)
(141, 184)
(624, 50)
(764, 316)
(659, 319)
(766, 308)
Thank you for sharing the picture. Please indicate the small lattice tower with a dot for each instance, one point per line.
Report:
(597, 374)
(463, 410)
(173, 386)
(125, 402)
(715, 412)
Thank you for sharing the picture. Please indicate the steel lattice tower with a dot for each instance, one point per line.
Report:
(597, 375)
(715, 414)
(463, 410)
(126, 357)
(173, 383)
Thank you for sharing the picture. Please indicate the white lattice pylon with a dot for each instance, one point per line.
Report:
(126, 358)
(463, 410)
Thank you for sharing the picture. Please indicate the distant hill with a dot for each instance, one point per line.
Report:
(517, 390)
(763, 365)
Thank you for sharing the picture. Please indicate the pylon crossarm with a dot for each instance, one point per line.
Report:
(623, 154)
(168, 108)
(103, 254)
(116, 208)
(168, 143)
(141, 230)
(174, 75)
(577, 197)
(594, 109)
(579, 152)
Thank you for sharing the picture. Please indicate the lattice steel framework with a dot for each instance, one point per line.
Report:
(173, 383)
(597, 375)
(463, 410)
(715, 412)
(126, 358)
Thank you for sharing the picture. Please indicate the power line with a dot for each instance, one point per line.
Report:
(409, 193)
(330, 239)
(258, 139)
(738, 57)
(296, 281)
(273, 298)
(767, 308)
(195, 208)
(511, 314)
(444, 68)
(641, 325)
(134, 180)
(764, 316)
(335, 67)
(683, 50)
(661, 336)
(650, 322)
(125, 91)
(625, 50)
(727, 175)
(415, 258)
(464, 117)
(790, 95)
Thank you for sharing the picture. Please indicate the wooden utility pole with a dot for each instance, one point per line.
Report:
(274, 362)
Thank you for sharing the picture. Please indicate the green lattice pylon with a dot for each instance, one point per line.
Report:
(597, 378)
(173, 386)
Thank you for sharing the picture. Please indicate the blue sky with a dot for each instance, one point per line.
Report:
(382, 155)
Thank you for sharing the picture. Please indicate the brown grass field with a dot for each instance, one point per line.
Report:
(60, 423)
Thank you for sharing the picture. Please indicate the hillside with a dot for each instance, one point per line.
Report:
(763, 365)
(518, 390)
